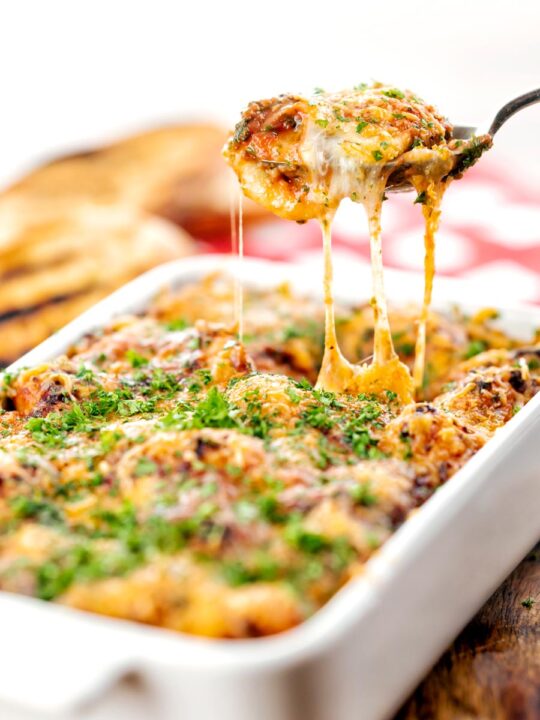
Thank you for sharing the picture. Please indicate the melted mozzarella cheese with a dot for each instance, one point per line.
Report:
(301, 158)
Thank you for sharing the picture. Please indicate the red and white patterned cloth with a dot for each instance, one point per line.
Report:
(489, 235)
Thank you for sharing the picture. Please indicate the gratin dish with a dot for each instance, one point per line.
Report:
(360, 655)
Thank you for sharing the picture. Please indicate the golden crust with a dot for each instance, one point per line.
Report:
(111, 246)
(157, 474)
(22, 332)
(294, 155)
(62, 266)
(84, 224)
(136, 171)
(172, 171)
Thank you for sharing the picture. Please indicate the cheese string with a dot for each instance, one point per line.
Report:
(385, 372)
(330, 337)
(233, 201)
(431, 210)
(237, 246)
(232, 219)
(383, 346)
(334, 366)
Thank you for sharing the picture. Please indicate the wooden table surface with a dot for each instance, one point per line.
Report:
(492, 671)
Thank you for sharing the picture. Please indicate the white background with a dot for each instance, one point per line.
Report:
(75, 73)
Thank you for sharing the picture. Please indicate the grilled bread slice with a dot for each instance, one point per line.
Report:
(60, 267)
(76, 228)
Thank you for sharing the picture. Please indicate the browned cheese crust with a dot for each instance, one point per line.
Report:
(165, 473)
(295, 155)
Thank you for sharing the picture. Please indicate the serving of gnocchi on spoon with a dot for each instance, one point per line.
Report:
(300, 157)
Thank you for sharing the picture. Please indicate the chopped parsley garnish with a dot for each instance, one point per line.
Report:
(475, 347)
(269, 509)
(421, 198)
(8, 378)
(470, 155)
(302, 539)
(358, 436)
(337, 552)
(145, 466)
(403, 346)
(361, 125)
(135, 544)
(176, 324)
(318, 416)
(214, 411)
(44, 511)
(311, 330)
(241, 131)
(377, 155)
(293, 395)
(394, 93)
(135, 359)
(406, 439)
(255, 421)
(52, 429)
(85, 373)
(263, 569)
(161, 381)
(85, 417)
(339, 116)
(363, 495)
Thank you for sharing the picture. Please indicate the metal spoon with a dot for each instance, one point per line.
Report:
(468, 151)
(465, 132)
(472, 143)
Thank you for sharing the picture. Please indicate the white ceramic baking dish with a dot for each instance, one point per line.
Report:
(359, 656)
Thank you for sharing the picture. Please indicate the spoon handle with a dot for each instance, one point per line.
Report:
(513, 107)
